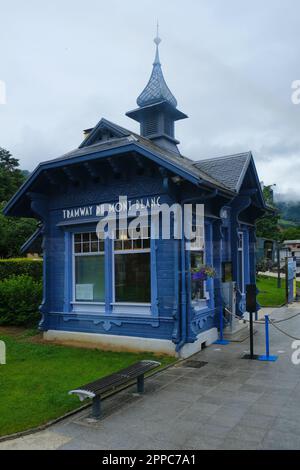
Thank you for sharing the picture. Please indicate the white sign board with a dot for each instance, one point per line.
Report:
(84, 292)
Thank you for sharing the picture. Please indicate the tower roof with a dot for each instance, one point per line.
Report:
(156, 89)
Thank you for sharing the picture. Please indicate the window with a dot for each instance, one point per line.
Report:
(132, 266)
(89, 268)
(197, 285)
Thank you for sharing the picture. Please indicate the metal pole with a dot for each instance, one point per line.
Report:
(96, 408)
(140, 384)
(267, 356)
(251, 335)
(278, 269)
(221, 339)
(221, 324)
(286, 280)
(267, 336)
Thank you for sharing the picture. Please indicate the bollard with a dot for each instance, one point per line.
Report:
(221, 339)
(267, 356)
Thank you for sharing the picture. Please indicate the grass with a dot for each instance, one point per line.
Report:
(270, 295)
(34, 383)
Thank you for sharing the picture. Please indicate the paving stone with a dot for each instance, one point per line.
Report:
(286, 426)
(237, 444)
(281, 440)
(231, 403)
(257, 421)
(247, 433)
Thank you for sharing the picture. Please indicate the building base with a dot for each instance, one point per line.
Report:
(131, 343)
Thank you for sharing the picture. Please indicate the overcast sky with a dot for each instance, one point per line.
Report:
(230, 64)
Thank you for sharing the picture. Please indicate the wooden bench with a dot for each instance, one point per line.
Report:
(100, 387)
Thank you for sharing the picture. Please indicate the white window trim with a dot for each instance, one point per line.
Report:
(196, 303)
(126, 252)
(74, 255)
(114, 303)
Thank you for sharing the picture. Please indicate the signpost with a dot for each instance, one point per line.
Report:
(251, 309)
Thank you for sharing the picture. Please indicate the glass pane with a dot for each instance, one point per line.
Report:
(118, 245)
(94, 237)
(86, 237)
(77, 247)
(127, 244)
(77, 237)
(196, 259)
(94, 247)
(86, 247)
(146, 243)
(101, 245)
(197, 284)
(132, 277)
(89, 278)
(137, 244)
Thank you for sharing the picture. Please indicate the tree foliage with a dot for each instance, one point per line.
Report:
(13, 231)
(11, 177)
(267, 226)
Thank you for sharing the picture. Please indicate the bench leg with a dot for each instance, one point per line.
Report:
(140, 384)
(96, 408)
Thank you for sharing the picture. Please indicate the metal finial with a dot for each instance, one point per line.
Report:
(157, 39)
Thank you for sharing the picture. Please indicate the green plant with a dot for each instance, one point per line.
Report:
(20, 297)
(19, 266)
(203, 272)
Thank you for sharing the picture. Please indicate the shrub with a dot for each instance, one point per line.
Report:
(20, 297)
(17, 266)
(264, 265)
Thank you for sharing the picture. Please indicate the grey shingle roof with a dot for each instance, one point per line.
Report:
(156, 89)
(228, 170)
(176, 159)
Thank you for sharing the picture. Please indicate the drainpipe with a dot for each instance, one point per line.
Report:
(183, 294)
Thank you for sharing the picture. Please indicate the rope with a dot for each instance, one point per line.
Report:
(284, 332)
(285, 319)
(261, 322)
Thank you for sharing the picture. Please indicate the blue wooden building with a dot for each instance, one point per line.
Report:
(140, 295)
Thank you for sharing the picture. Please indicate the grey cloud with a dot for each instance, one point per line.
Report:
(230, 65)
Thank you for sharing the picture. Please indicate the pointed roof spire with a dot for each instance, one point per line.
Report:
(156, 89)
(157, 41)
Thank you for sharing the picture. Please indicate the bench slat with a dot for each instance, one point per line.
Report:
(101, 386)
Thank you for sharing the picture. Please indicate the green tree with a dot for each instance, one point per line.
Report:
(13, 231)
(267, 226)
(291, 233)
(11, 177)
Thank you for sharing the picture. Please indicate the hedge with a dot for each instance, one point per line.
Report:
(20, 298)
(21, 266)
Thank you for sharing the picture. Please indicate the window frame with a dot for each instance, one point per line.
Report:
(129, 252)
(198, 249)
(74, 255)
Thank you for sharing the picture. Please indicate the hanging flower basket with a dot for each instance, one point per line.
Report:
(202, 273)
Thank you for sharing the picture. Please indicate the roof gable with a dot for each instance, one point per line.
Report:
(104, 131)
(228, 170)
(123, 142)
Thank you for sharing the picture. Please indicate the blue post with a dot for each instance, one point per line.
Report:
(221, 339)
(267, 356)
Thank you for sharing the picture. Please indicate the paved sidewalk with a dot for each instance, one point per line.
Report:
(229, 403)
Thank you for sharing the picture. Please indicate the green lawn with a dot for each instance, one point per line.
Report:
(34, 383)
(270, 295)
